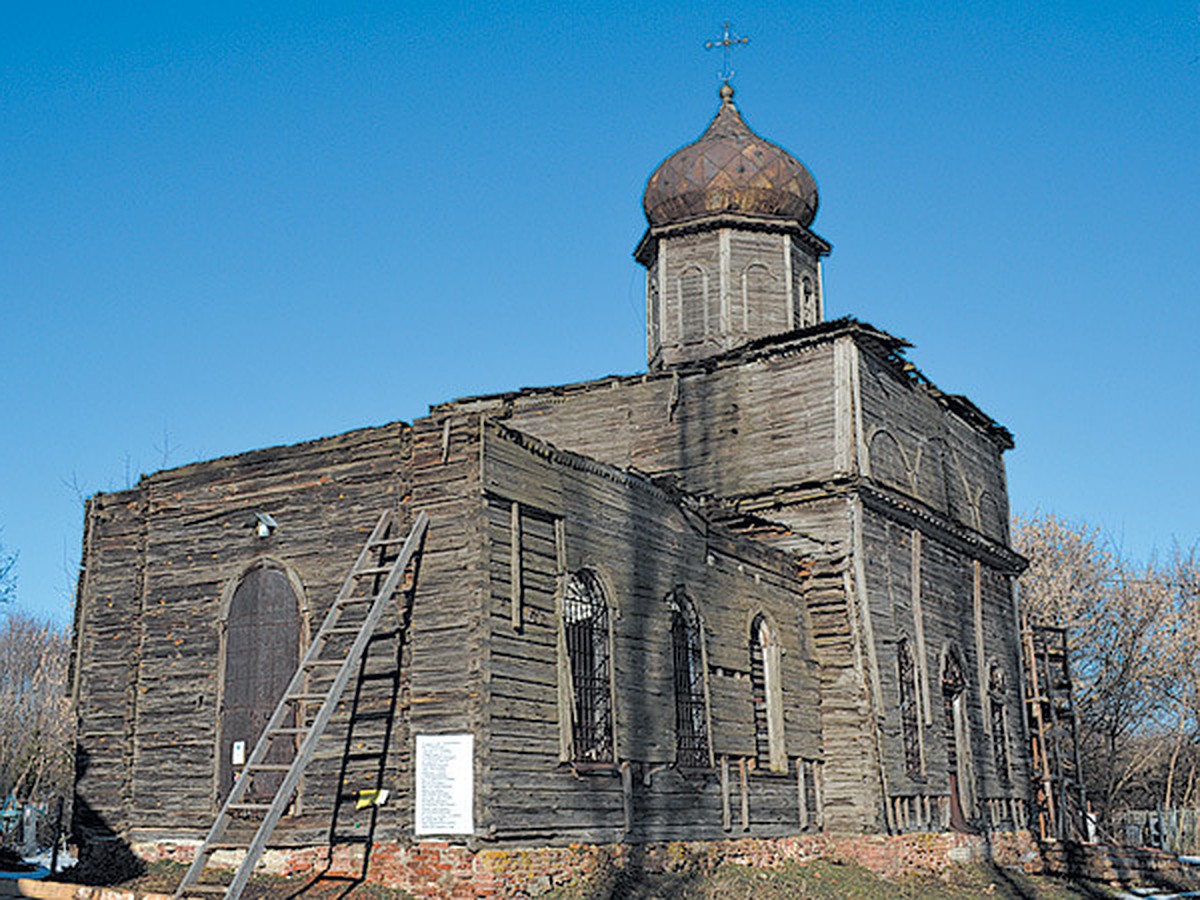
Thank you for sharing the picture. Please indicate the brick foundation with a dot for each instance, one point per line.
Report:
(429, 869)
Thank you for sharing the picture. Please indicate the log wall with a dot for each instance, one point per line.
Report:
(643, 546)
(158, 562)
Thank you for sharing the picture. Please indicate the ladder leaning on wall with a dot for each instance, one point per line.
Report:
(374, 579)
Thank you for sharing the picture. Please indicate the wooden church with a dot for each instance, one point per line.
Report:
(763, 588)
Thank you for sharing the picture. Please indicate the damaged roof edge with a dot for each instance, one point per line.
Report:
(887, 347)
(687, 504)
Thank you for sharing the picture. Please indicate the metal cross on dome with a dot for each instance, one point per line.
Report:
(728, 41)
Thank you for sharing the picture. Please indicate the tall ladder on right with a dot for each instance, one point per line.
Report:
(285, 723)
(1060, 799)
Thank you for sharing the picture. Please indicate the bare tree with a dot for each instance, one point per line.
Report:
(8, 576)
(1126, 653)
(1180, 661)
(35, 719)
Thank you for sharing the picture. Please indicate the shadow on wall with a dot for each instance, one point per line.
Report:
(104, 856)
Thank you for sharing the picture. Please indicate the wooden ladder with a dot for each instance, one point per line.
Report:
(356, 591)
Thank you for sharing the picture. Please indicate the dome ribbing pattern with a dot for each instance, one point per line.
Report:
(730, 169)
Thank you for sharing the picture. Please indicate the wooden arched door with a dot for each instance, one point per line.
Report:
(261, 643)
(954, 685)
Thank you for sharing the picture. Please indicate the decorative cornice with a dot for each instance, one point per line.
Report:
(647, 246)
(887, 501)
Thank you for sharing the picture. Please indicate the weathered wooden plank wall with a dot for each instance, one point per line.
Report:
(644, 547)
(921, 561)
(737, 429)
(106, 643)
(917, 446)
(193, 543)
(449, 651)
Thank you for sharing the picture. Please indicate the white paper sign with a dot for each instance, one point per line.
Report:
(445, 784)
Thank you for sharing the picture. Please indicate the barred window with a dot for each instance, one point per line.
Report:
(585, 624)
(997, 689)
(909, 725)
(691, 716)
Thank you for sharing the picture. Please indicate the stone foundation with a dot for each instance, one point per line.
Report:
(429, 869)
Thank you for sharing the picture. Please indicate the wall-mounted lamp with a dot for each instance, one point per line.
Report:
(264, 525)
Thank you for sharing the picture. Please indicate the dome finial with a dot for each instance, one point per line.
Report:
(726, 93)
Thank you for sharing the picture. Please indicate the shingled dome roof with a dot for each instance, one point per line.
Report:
(730, 169)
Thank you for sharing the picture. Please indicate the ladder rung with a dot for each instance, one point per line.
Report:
(373, 716)
(204, 889)
(376, 676)
(270, 767)
(350, 839)
(304, 698)
(250, 807)
(288, 730)
(344, 629)
(374, 570)
(384, 542)
(324, 662)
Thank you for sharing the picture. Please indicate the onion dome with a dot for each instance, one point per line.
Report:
(730, 169)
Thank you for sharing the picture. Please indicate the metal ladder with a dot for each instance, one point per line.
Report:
(350, 595)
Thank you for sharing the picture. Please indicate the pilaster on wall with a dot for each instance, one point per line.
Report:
(848, 429)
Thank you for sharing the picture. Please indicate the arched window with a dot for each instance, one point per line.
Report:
(691, 712)
(909, 725)
(653, 313)
(765, 693)
(887, 460)
(997, 689)
(585, 628)
(958, 742)
(692, 303)
(764, 310)
(808, 300)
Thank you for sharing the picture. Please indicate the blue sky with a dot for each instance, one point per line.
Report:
(227, 226)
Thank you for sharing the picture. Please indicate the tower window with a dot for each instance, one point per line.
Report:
(909, 725)
(692, 306)
(808, 300)
(585, 626)
(691, 714)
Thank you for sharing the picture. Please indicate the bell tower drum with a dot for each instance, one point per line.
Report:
(729, 256)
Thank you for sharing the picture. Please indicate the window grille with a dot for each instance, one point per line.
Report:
(691, 718)
(758, 692)
(585, 622)
(996, 692)
(909, 726)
